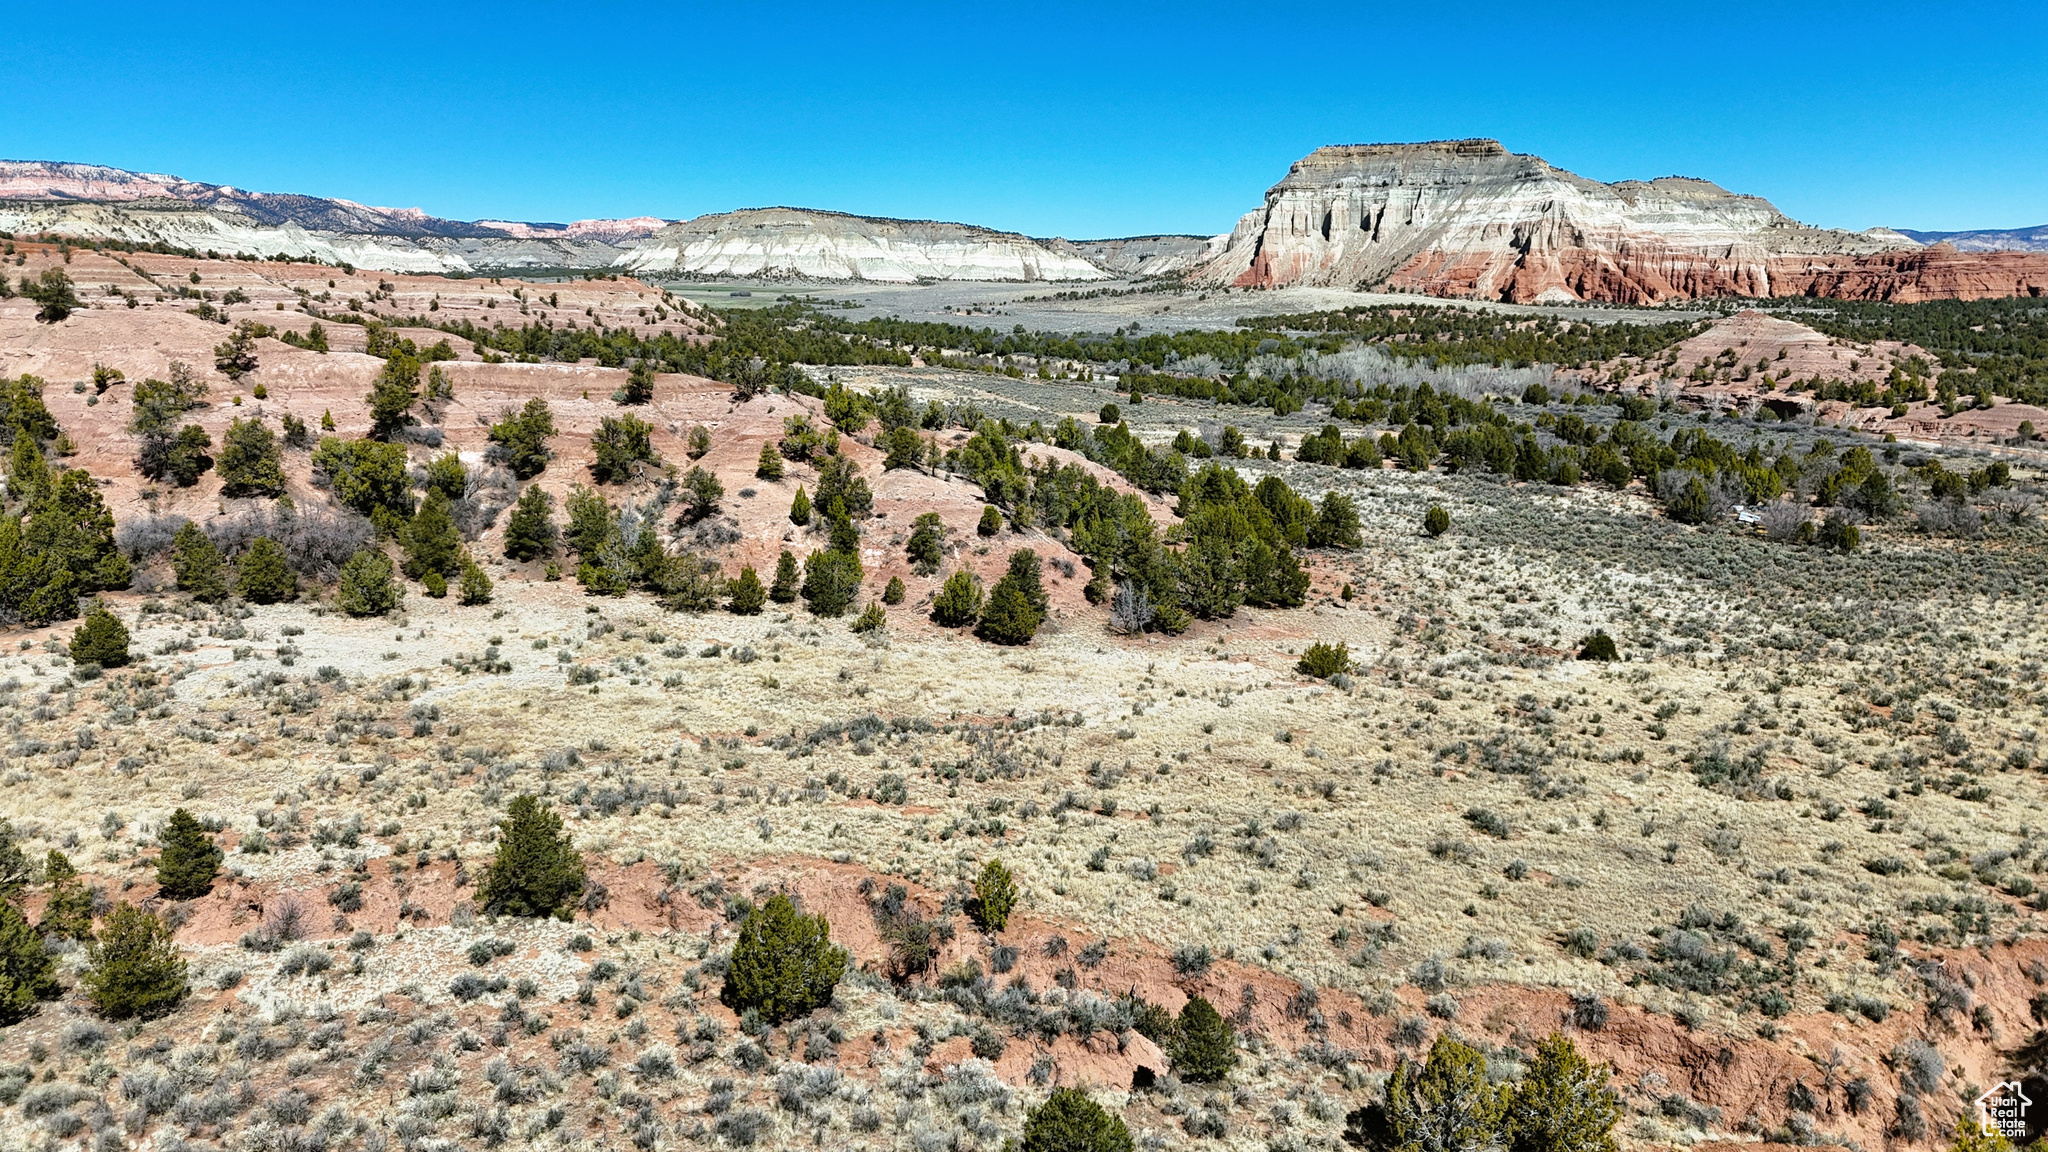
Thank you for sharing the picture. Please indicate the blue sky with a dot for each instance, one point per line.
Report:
(1079, 120)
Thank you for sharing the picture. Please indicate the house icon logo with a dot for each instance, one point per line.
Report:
(2003, 1109)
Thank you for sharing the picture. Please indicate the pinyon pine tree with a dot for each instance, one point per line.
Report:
(68, 912)
(1204, 1043)
(1563, 1104)
(135, 969)
(189, 860)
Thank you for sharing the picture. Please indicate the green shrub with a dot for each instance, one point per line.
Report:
(368, 586)
(926, 547)
(958, 603)
(769, 467)
(530, 533)
(1323, 661)
(1110, 414)
(536, 871)
(189, 859)
(197, 564)
(639, 387)
(619, 446)
(893, 593)
(447, 473)
(1436, 521)
(265, 574)
(871, 619)
(995, 896)
(784, 964)
(435, 585)
(800, 508)
(522, 438)
(102, 639)
(1069, 1121)
(1204, 1043)
(134, 968)
(744, 594)
(476, 583)
(991, 521)
(28, 973)
(1599, 646)
(1447, 1103)
(1690, 503)
(700, 495)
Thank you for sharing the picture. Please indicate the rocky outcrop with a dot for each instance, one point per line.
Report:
(1468, 218)
(808, 244)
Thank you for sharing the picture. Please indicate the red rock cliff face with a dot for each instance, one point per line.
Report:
(1467, 218)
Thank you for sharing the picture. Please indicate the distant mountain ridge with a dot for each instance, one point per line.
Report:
(97, 202)
(2033, 239)
(1460, 218)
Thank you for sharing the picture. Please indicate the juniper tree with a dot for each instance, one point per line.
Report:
(392, 396)
(1069, 1121)
(639, 387)
(800, 508)
(28, 972)
(769, 466)
(831, 581)
(521, 438)
(991, 521)
(536, 871)
(1204, 1043)
(958, 603)
(250, 463)
(926, 547)
(197, 564)
(431, 541)
(784, 963)
(784, 590)
(264, 575)
(476, 584)
(102, 639)
(893, 593)
(530, 533)
(1447, 1105)
(367, 586)
(1008, 617)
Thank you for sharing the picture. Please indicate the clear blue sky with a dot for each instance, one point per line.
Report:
(1079, 120)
